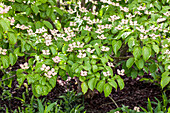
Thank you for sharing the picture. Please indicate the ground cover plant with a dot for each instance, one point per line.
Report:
(97, 43)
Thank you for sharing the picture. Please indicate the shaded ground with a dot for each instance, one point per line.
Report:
(135, 93)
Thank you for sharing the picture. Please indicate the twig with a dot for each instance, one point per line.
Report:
(127, 57)
(7, 78)
(113, 101)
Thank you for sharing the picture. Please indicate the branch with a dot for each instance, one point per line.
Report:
(7, 78)
(127, 57)
(113, 101)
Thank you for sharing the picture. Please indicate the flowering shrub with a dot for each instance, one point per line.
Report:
(98, 42)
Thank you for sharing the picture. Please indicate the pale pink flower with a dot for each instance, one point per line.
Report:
(120, 72)
(56, 59)
(83, 73)
(46, 52)
(24, 66)
(105, 48)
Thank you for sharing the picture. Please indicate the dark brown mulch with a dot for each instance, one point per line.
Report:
(135, 93)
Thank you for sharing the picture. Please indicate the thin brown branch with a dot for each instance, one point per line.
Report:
(113, 101)
(8, 78)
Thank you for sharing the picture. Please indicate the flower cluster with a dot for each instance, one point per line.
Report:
(48, 39)
(49, 73)
(4, 8)
(75, 45)
(3, 51)
(22, 27)
(81, 54)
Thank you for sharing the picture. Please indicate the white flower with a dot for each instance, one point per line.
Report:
(136, 109)
(83, 73)
(3, 51)
(161, 19)
(56, 59)
(110, 64)
(105, 48)
(47, 68)
(106, 73)
(169, 67)
(94, 56)
(46, 52)
(24, 66)
(141, 8)
(101, 37)
(119, 27)
(81, 55)
(43, 67)
(90, 50)
(120, 72)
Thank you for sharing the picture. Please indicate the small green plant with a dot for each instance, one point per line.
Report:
(69, 103)
(161, 107)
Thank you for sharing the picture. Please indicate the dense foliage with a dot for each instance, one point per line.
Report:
(97, 42)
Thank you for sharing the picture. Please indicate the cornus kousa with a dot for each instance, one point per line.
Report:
(89, 38)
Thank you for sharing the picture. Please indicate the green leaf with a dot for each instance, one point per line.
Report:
(149, 106)
(157, 5)
(98, 50)
(95, 68)
(21, 78)
(48, 24)
(53, 50)
(43, 1)
(59, 11)
(12, 59)
(28, 11)
(84, 87)
(137, 52)
(155, 48)
(12, 37)
(52, 81)
(140, 63)
(146, 51)
(5, 24)
(35, 9)
(113, 84)
(100, 85)
(165, 81)
(39, 89)
(116, 45)
(152, 68)
(49, 108)
(120, 83)
(92, 83)
(107, 89)
(40, 106)
(134, 73)
(5, 61)
(130, 62)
